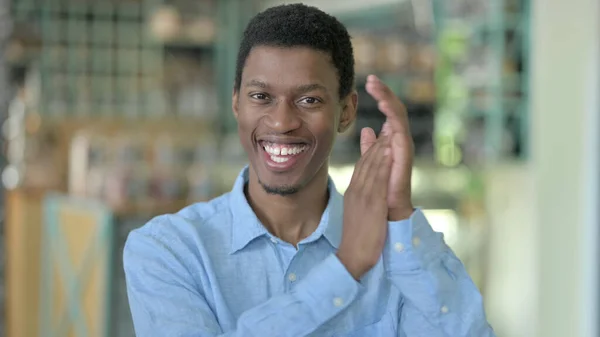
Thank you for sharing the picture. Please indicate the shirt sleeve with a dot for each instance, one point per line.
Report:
(439, 297)
(165, 299)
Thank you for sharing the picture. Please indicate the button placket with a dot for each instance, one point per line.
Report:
(291, 274)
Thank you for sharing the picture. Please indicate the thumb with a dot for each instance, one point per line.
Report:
(367, 139)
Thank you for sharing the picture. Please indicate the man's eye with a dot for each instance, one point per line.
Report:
(259, 96)
(309, 100)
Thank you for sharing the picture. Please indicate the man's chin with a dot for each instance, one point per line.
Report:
(281, 190)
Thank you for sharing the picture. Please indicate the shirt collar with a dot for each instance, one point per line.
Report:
(246, 226)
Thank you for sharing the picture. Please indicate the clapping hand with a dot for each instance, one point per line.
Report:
(380, 189)
(397, 128)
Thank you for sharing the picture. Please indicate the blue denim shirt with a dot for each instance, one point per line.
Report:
(213, 269)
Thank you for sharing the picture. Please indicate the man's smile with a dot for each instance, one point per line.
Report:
(281, 157)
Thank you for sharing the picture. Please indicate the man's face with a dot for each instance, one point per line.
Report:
(288, 111)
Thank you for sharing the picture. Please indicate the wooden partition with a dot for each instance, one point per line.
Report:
(76, 268)
(58, 266)
(23, 232)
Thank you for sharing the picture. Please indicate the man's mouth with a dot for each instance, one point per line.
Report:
(282, 156)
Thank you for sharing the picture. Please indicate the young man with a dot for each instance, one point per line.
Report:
(283, 253)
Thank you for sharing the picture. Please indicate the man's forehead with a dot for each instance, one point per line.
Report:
(298, 67)
(292, 58)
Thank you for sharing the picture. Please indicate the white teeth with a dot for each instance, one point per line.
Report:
(283, 150)
(279, 159)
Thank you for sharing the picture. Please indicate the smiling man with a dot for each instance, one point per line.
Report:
(283, 253)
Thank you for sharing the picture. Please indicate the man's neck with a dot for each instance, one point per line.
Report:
(292, 217)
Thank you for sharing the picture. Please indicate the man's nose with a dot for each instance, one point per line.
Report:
(283, 118)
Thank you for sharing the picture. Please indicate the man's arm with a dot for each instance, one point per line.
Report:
(165, 299)
(440, 299)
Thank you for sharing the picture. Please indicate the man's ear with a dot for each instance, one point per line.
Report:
(235, 103)
(348, 115)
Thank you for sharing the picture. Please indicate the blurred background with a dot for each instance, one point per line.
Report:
(113, 112)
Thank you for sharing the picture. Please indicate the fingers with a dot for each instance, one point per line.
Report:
(365, 161)
(386, 129)
(382, 176)
(366, 178)
(376, 88)
(380, 149)
(367, 139)
(379, 172)
(402, 150)
(389, 104)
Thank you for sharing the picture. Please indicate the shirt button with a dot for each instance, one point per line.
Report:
(444, 309)
(273, 240)
(292, 277)
(416, 241)
(338, 302)
(399, 247)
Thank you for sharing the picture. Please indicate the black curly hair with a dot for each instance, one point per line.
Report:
(299, 25)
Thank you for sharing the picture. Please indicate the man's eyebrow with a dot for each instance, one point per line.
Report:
(310, 87)
(256, 83)
(304, 88)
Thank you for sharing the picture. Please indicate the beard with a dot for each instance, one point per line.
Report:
(283, 190)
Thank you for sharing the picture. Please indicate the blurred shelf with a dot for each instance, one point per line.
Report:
(372, 17)
(402, 75)
(494, 41)
(189, 44)
(150, 209)
(429, 178)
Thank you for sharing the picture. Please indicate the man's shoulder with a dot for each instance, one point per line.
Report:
(198, 220)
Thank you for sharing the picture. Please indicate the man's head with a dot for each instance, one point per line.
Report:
(293, 91)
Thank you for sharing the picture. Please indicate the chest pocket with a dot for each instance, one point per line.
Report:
(384, 328)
